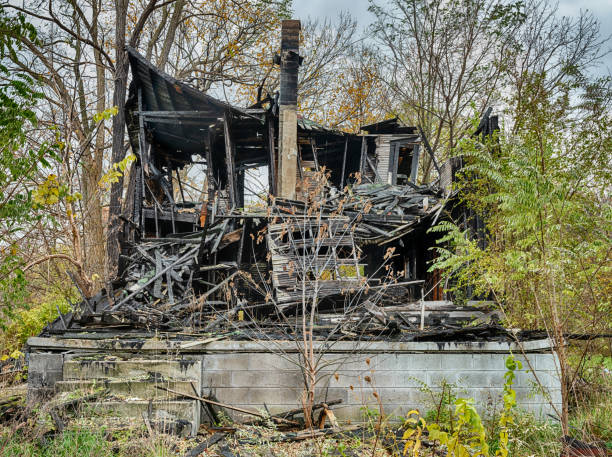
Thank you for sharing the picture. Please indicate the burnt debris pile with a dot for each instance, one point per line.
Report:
(224, 231)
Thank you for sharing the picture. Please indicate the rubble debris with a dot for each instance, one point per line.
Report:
(233, 408)
(203, 254)
(203, 446)
(573, 447)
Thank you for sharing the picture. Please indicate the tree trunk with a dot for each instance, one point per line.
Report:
(93, 222)
(174, 23)
(118, 150)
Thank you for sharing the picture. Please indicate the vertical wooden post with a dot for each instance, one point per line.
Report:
(209, 166)
(313, 145)
(344, 163)
(362, 156)
(142, 146)
(422, 326)
(229, 161)
(272, 170)
(414, 172)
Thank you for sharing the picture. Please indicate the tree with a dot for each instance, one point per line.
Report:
(80, 59)
(438, 58)
(337, 84)
(546, 202)
(562, 51)
(19, 160)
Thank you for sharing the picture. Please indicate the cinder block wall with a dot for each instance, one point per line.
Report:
(252, 374)
(249, 375)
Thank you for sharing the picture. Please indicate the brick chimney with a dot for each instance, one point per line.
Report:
(289, 63)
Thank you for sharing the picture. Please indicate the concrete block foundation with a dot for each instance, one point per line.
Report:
(404, 376)
(257, 375)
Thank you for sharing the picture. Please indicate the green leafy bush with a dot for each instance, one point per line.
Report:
(30, 322)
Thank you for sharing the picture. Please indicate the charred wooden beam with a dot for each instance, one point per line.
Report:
(229, 161)
(344, 163)
(273, 161)
(362, 158)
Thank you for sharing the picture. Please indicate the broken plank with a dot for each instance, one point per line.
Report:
(215, 438)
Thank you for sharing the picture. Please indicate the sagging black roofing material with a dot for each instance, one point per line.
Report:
(178, 116)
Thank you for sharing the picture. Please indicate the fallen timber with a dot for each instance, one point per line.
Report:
(164, 283)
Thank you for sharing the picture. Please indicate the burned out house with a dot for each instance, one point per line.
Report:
(210, 267)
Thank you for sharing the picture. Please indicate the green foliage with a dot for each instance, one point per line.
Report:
(534, 437)
(83, 442)
(106, 114)
(592, 416)
(30, 321)
(464, 435)
(413, 435)
(468, 436)
(442, 412)
(506, 419)
(116, 171)
(18, 162)
(51, 191)
(541, 189)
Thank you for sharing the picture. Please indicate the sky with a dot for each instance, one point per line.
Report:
(602, 9)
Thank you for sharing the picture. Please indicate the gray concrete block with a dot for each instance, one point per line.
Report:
(216, 362)
(143, 390)
(555, 396)
(544, 379)
(455, 361)
(385, 378)
(410, 379)
(349, 413)
(349, 362)
(488, 379)
(45, 369)
(280, 396)
(267, 378)
(526, 395)
(332, 393)
(348, 378)
(546, 362)
(271, 361)
(490, 398)
(439, 378)
(408, 397)
(380, 379)
(230, 395)
(183, 409)
(487, 362)
(132, 369)
(213, 379)
(408, 362)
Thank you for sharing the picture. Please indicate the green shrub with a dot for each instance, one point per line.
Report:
(29, 322)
